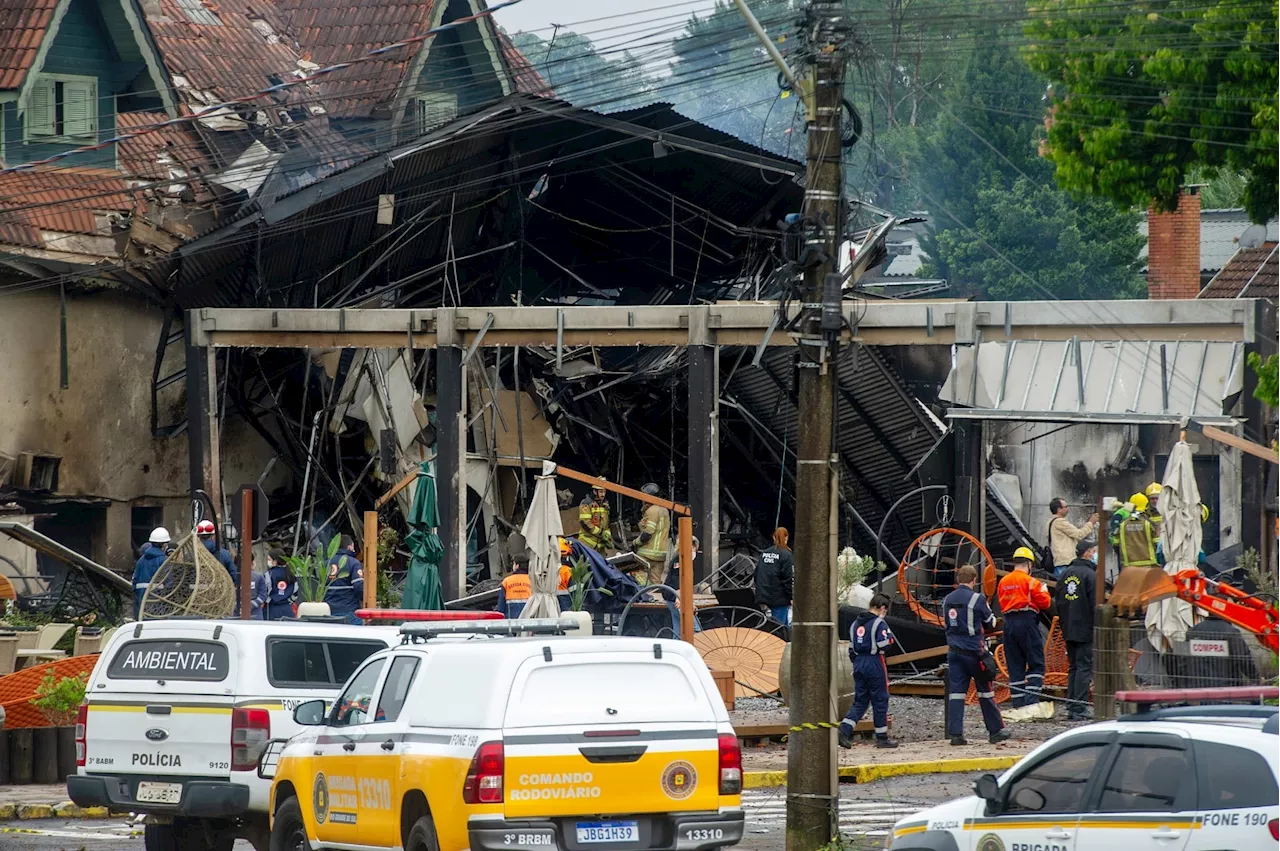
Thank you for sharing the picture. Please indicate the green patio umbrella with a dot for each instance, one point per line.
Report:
(422, 587)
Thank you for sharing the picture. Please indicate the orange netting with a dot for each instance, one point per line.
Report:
(928, 570)
(17, 689)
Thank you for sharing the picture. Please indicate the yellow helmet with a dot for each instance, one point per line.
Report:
(565, 549)
(1022, 553)
(1139, 501)
(1154, 489)
(1204, 513)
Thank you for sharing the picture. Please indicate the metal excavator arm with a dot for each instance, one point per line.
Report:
(1137, 587)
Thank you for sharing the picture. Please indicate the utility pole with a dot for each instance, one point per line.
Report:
(812, 790)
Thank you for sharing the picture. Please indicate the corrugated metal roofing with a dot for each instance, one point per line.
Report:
(23, 24)
(1043, 380)
(1252, 273)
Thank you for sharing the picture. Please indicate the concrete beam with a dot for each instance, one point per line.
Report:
(451, 479)
(730, 324)
(704, 455)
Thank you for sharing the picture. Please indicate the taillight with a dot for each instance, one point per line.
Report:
(250, 730)
(1275, 828)
(82, 722)
(484, 778)
(730, 765)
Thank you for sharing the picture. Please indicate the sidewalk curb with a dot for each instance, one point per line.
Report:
(879, 771)
(65, 810)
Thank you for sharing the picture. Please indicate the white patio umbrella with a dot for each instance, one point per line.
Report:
(542, 531)
(1168, 620)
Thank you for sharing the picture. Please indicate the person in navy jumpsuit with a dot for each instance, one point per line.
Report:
(346, 582)
(966, 612)
(282, 586)
(869, 639)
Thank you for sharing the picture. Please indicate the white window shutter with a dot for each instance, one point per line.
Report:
(40, 109)
(80, 108)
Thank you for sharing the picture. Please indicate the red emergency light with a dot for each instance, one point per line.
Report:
(1191, 695)
(407, 615)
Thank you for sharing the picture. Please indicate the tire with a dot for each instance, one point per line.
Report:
(160, 837)
(288, 831)
(422, 836)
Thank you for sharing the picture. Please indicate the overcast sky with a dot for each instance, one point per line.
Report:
(538, 15)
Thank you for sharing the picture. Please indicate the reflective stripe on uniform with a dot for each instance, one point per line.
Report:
(969, 607)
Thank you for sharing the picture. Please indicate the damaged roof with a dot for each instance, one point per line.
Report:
(23, 24)
(64, 200)
(156, 154)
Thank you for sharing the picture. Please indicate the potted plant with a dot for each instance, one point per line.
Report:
(313, 574)
(59, 698)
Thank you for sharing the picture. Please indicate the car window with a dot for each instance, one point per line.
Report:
(396, 688)
(1144, 779)
(1056, 785)
(1233, 778)
(352, 707)
(313, 662)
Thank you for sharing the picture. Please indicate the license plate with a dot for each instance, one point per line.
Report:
(158, 793)
(601, 832)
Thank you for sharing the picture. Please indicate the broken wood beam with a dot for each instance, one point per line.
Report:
(395, 489)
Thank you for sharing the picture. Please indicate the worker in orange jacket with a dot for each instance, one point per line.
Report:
(1022, 597)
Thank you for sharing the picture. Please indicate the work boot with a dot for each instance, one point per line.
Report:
(885, 742)
(999, 736)
(958, 741)
(1014, 715)
(1083, 715)
(844, 737)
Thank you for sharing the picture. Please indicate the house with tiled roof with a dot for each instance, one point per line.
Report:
(1254, 272)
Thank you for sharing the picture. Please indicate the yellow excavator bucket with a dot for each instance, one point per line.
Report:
(1137, 587)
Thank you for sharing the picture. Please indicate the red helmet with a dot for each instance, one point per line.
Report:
(205, 527)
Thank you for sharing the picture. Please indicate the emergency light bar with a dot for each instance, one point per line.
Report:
(1148, 697)
(402, 615)
(532, 626)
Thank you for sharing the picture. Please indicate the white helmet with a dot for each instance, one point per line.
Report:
(159, 535)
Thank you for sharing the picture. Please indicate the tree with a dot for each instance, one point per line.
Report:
(578, 73)
(1142, 95)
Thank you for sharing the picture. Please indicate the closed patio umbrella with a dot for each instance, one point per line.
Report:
(1181, 538)
(542, 531)
(422, 587)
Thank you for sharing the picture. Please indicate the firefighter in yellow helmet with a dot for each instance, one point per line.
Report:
(653, 547)
(1137, 536)
(593, 520)
(1153, 508)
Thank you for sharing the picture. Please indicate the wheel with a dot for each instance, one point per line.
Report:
(422, 836)
(160, 837)
(288, 832)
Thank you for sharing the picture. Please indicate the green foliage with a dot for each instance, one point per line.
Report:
(388, 595)
(852, 569)
(608, 80)
(580, 583)
(1221, 189)
(1142, 95)
(312, 571)
(1268, 390)
(59, 698)
(1249, 564)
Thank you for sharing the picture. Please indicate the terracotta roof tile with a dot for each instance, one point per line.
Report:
(22, 27)
(527, 79)
(150, 156)
(1251, 273)
(59, 199)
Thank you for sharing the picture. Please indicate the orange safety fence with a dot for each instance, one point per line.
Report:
(19, 688)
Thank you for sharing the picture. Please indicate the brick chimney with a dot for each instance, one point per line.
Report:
(1173, 249)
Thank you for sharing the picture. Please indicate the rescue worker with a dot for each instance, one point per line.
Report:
(775, 578)
(869, 639)
(345, 593)
(208, 536)
(1153, 508)
(1021, 597)
(282, 586)
(1063, 535)
(259, 589)
(515, 590)
(967, 613)
(1137, 538)
(1076, 598)
(153, 556)
(593, 520)
(653, 547)
(566, 576)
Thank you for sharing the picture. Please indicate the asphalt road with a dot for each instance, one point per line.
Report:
(866, 812)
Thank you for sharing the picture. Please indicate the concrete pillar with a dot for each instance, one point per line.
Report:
(968, 467)
(451, 449)
(704, 454)
(202, 419)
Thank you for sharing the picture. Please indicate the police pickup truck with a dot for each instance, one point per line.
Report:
(1175, 779)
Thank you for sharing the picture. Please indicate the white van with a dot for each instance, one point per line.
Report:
(176, 713)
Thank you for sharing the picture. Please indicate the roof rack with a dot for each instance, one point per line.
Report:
(413, 632)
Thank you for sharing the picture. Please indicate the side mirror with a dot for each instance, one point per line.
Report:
(309, 714)
(986, 788)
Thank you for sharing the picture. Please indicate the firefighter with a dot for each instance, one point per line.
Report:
(653, 547)
(593, 520)
(1137, 537)
(967, 613)
(1153, 508)
(566, 576)
(869, 639)
(1022, 597)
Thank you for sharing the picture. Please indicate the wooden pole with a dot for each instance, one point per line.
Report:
(371, 559)
(246, 551)
(685, 538)
(1100, 535)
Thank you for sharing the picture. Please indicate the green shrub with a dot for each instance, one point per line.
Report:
(59, 698)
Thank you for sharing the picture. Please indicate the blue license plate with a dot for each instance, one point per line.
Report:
(603, 832)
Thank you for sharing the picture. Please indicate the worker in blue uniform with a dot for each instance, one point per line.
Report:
(154, 553)
(869, 639)
(966, 613)
(282, 585)
(346, 582)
